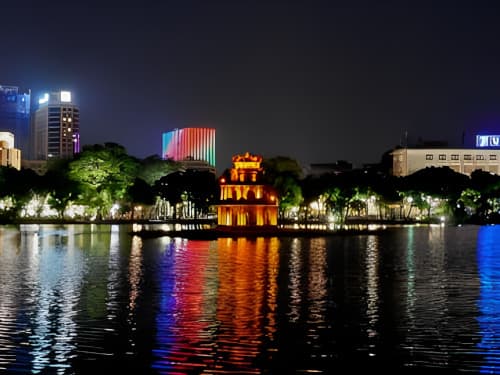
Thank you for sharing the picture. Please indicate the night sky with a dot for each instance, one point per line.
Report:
(317, 81)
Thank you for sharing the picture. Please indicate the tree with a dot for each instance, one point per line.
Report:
(105, 173)
(279, 165)
(311, 187)
(202, 190)
(290, 193)
(62, 191)
(487, 200)
(20, 186)
(438, 182)
(470, 201)
(338, 199)
(171, 188)
(140, 193)
(153, 168)
(284, 174)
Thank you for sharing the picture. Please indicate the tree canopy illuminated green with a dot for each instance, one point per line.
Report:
(105, 172)
(284, 174)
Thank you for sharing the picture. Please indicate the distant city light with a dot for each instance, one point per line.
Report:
(65, 96)
(487, 140)
(44, 99)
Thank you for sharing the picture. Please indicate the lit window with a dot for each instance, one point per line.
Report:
(479, 157)
(493, 157)
(442, 157)
(429, 157)
(454, 157)
(467, 157)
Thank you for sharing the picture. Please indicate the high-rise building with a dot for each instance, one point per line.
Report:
(9, 156)
(15, 115)
(55, 128)
(189, 144)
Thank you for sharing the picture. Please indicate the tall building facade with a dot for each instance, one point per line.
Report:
(15, 115)
(55, 128)
(189, 144)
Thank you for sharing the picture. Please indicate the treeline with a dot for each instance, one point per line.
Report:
(431, 194)
(104, 182)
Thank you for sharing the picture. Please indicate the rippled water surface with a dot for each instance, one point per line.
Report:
(83, 298)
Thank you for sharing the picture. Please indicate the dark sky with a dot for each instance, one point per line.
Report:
(317, 81)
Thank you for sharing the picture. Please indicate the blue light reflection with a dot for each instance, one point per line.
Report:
(488, 257)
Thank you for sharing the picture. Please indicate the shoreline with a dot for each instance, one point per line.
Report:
(215, 233)
(213, 222)
(206, 229)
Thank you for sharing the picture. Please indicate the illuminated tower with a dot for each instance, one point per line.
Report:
(245, 201)
(15, 115)
(56, 127)
(188, 144)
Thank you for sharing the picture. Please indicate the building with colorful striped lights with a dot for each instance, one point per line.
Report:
(189, 144)
(245, 201)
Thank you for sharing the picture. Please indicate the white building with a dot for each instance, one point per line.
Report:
(406, 161)
(9, 156)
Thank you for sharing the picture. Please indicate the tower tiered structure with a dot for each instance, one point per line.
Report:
(245, 200)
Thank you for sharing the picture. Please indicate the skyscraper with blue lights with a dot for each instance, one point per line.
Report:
(15, 116)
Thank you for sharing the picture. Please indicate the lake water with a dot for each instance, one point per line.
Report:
(84, 298)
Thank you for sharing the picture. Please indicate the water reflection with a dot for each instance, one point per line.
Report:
(55, 278)
(8, 297)
(213, 298)
(410, 283)
(316, 292)
(185, 319)
(114, 270)
(76, 299)
(135, 278)
(372, 289)
(488, 250)
(295, 280)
